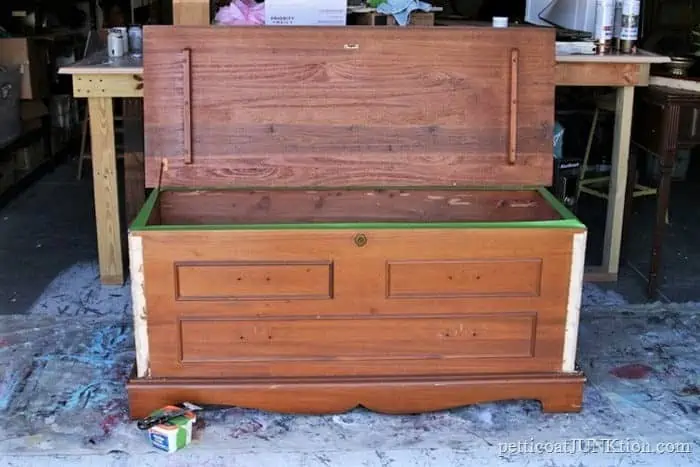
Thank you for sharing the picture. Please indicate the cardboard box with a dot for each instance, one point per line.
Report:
(306, 12)
(10, 121)
(31, 125)
(7, 175)
(32, 56)
(33, 110)
(174, 435)
(31, 113)
(30, 157)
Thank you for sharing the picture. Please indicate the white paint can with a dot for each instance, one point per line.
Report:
(115, 43)
(125, 38)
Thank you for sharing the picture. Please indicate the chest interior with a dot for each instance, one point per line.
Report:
(291, 125)
(325, 207)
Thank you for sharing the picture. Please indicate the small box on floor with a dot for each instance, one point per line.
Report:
(175, 434)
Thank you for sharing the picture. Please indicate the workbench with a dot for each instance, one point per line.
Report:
(100, 80)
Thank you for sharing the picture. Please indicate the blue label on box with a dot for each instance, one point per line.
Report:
(160, 441)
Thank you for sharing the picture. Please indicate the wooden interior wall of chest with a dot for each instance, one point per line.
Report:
(352, 216)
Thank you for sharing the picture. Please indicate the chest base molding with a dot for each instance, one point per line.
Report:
(557, 392)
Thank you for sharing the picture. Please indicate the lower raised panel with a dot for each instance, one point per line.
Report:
(353, 339)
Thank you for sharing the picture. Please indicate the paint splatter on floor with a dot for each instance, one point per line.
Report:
(63, 368)
(78, 292)
(593, 296)
(632, 371)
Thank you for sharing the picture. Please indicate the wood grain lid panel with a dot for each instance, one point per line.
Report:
(352, 106)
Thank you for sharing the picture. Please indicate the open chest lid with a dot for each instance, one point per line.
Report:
(348, 106)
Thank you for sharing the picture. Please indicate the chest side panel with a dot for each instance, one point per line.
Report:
(348, 106)
(290, 303)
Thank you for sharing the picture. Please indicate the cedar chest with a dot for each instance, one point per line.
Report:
(352, 216)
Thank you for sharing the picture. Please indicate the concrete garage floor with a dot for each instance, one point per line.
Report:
(45, 230)
(66, 348)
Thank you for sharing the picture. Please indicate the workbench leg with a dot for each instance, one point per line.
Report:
(618, 180)
(104, 179)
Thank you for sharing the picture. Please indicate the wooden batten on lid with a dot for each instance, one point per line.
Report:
(354, 106)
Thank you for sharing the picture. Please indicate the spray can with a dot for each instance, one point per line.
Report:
(135, 40)
(604, 18)
(629, 26)
(115, 43)
(617, 24)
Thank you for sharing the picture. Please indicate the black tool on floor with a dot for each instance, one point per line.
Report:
(166, 415)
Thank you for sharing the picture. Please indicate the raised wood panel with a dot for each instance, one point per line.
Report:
(358, 106)
(544, 354)
(261, 280)
(359, 295)
(401, 338)
(459, 278)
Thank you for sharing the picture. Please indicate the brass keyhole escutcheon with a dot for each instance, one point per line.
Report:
(360, 240)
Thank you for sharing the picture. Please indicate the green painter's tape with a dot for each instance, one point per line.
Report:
(568, 221)
(145, 213)
(563, 211)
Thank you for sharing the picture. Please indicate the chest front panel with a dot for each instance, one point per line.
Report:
(344, 302)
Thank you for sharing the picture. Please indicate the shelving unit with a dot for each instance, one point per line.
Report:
(14, 176)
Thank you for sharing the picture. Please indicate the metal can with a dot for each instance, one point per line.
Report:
(135, 40)
(125, 38)
(115, 43)
(604, 18)
(617, 24)
(629, 25)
